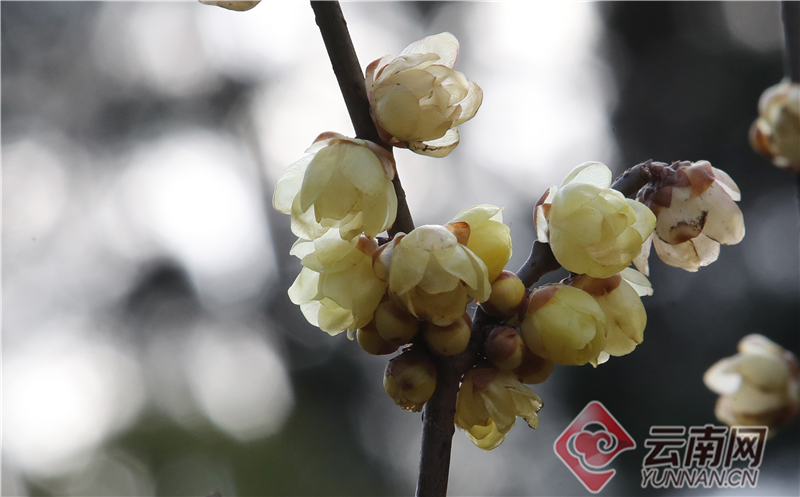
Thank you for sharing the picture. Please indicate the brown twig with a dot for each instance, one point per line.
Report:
(790, 14)
(342, 54)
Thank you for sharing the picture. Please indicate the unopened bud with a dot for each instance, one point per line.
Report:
(451, 339)
(394, 324)
(534, 369)
(564, 324)
(372, 343)
(504, 347)
(508, 295)
(410, 379)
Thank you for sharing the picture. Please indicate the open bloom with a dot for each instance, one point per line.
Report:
(564, 324)
(489, 402)
(417, 98)
(776, 132)
(759, 386)
(336, 289)
(622, 306)
(342, 183)
(431, 274)
(695, 205)
(489, 238)
(590, 227)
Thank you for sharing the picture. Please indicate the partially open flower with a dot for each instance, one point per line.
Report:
(410, 379)
(342, 183)
(620, 302)
(695, 205)
(489, 402)
(759, 386)
(337, 290)
(590, 227)
(776, 132)
(564, 324)
(432, 275)
(489, 238)
(417, 98)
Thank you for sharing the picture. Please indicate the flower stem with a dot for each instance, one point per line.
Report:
(790, 14)
(342, 54)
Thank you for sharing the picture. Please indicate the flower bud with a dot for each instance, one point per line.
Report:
(432, 275)
(489, 238)
(394, 324)
(417, 99)
(534, 369)
(343, 183)
(410, 379)
(508, 295)
(625, 314)
(451, 339)
(695, 205)
(759, 386)
(488, 403)
(372, 343)
(564, 324)
(776, 132)
(591, 228)
(504, 347)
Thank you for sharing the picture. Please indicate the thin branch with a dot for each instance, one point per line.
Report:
(342, 54)
(790, 14)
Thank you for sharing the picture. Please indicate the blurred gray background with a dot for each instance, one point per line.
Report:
(148, 344)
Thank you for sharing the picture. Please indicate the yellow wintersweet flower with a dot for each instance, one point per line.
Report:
(759, 386)
(337, 290)
(695, 205)
(776, 132)
(564, 324)
(592, 229)
(431, 274)
(622, 306)
(343, 183)
(417, 98)
(489, 402)
(489, 238)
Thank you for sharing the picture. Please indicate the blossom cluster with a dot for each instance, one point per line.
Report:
(408, 293)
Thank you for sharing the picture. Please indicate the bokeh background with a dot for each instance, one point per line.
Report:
(148, 344)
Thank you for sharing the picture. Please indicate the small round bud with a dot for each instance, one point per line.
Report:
(504, 347)
(394, 324)
(448, 340)
(508, 295)
(410, 379)
(534, 369)
(372, 343)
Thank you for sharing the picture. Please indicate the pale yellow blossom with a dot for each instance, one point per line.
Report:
(489, 402)
(591, 228)
(418, 100)
(337, 289)
(431, 274)
(759, 386)
(776, 132)
(621, 303)
(343, 183)
(489, 238)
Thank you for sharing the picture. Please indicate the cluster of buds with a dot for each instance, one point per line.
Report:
(759, 386)
(776, 131)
